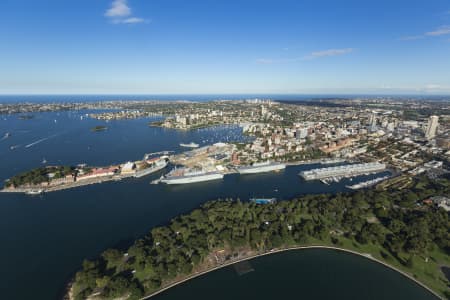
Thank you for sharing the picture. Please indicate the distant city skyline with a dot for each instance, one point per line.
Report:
(225, 47)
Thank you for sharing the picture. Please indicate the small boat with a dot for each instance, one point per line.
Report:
(44, 161)
(263, 200)
(13, 147)
(190, 145)
(324, 181)
(34, 192)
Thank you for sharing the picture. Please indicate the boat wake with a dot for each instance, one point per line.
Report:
(7, 135)
(39, 141)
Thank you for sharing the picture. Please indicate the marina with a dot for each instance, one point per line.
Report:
(338, 172)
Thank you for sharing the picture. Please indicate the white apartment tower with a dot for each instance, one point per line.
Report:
(263, 110)
(433, 124)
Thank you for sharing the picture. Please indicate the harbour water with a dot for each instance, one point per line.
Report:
(45, 238)
(302, 274)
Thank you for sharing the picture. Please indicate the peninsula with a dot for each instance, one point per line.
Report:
(401, 230)
(54, 178)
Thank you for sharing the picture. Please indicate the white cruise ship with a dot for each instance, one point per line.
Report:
(190, 145)
(155, 165)
(183, 176)
(261, 167)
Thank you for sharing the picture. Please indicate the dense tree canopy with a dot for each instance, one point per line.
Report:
(39, 175)
(368, 216)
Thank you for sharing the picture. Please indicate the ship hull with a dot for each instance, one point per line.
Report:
(149, 171)
(191, 179)
(261, 169)
(190, 145)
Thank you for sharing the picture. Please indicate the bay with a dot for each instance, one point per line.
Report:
(45, 238)
(319, 274)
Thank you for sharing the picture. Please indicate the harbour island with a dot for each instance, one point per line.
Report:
(401, 231)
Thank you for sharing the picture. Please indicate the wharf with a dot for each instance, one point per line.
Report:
(65, 186)
(322, 161)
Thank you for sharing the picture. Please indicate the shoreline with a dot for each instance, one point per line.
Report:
(367, 256)
(65, 186)
(99, 180)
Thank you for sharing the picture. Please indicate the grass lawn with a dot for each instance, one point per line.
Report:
(427, 272)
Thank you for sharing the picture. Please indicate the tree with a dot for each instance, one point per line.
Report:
(173, 250)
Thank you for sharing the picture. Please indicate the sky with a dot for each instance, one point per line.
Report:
(224, 47)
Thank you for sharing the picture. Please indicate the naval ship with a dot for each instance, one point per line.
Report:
(186, 175)
(154, 165)
(261, 167)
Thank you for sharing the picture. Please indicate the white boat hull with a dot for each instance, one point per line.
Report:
(149, 171)
(192, 179)
(261, 169)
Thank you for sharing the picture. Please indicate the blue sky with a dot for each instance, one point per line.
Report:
(224, 46)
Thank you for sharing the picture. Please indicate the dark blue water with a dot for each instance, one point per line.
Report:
(45, 238)
(302, 274)
(203, 97)
(68, 140)
(93, 98)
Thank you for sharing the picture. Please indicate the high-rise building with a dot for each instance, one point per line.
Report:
(373, 122)
(301, 133)
(433, 124)
(263, 110)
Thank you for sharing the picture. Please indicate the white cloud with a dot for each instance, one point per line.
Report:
(265, 61)
(269, 61)
(120, 13)
(411, 38)
(432, 86)
(313, 55)
(119, 8)
(132, 20)
(443, 30)
(329, 52)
